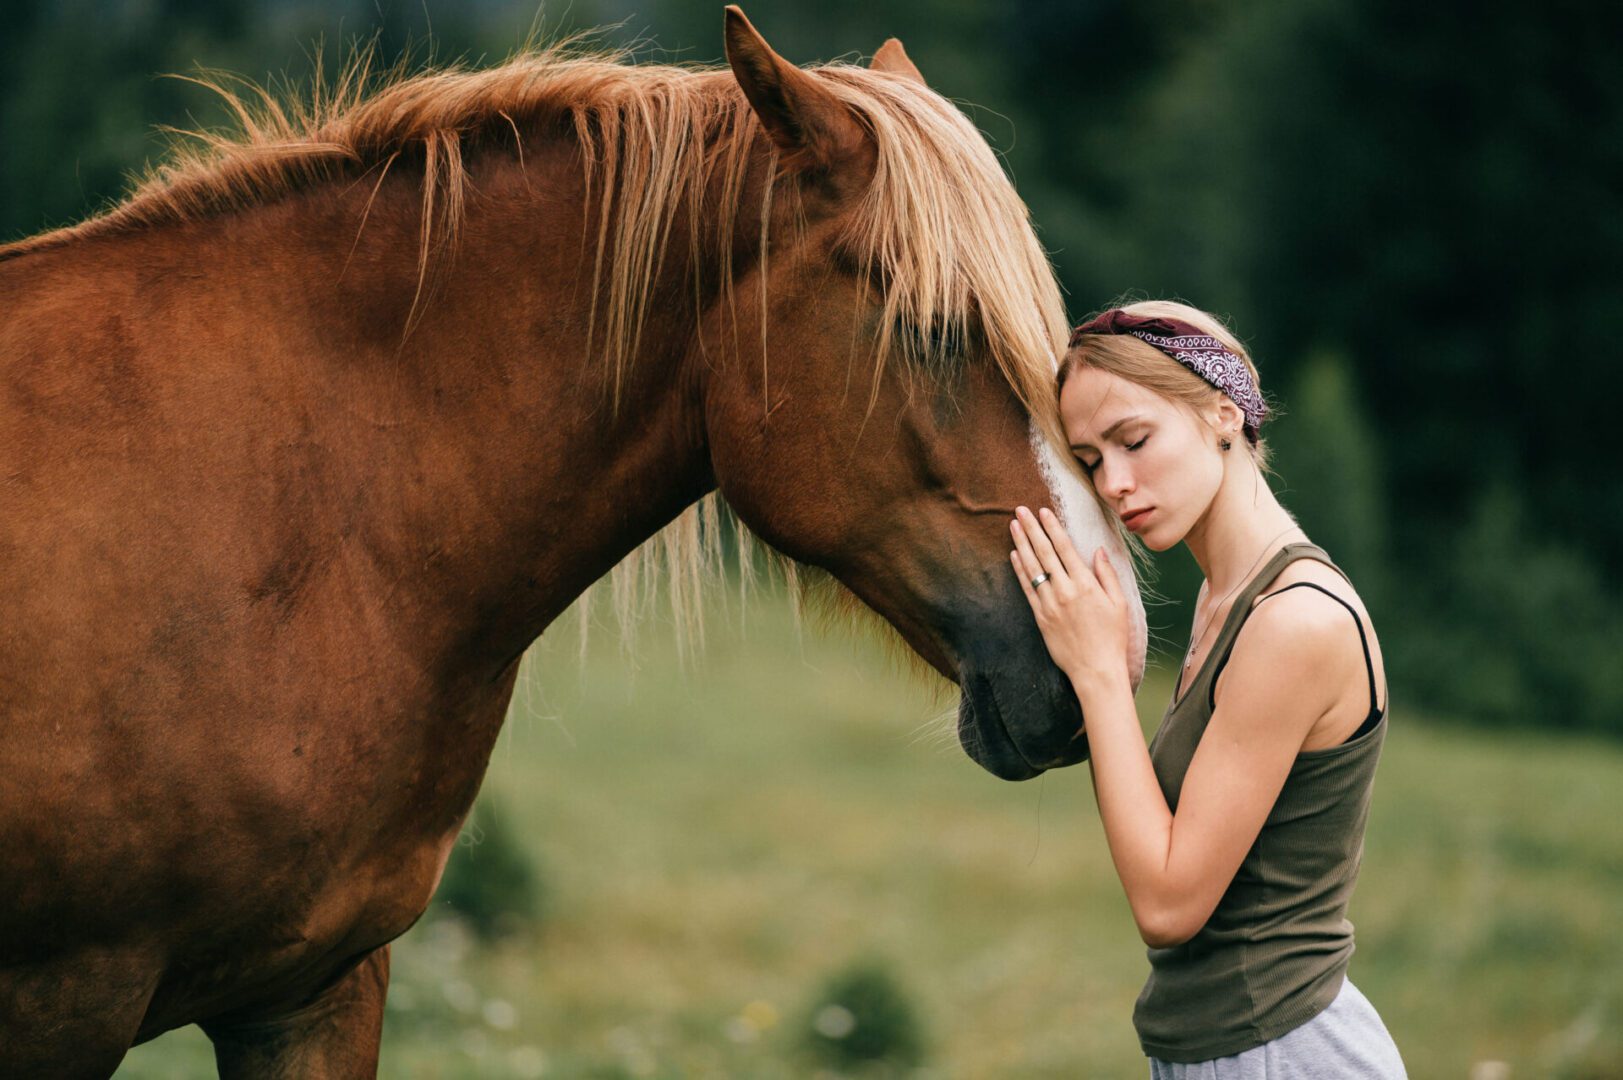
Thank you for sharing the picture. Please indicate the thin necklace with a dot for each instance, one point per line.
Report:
(1189, 656)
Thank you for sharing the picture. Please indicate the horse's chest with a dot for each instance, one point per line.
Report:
(316, 875)
(304, 930)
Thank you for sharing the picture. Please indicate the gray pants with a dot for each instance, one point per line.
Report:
(1347, 1041)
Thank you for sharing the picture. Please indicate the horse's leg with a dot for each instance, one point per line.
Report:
(333, 1037)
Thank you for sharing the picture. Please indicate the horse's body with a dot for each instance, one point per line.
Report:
(267, 572)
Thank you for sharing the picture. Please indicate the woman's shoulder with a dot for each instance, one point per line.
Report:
(1312, 571)
(1304, 625)
(1311, 616)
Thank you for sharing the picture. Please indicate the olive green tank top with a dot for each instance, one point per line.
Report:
(1275, 950)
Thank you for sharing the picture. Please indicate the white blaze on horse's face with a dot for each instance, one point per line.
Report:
(1088, 529)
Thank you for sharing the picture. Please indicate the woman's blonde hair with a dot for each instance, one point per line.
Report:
(1140, 362)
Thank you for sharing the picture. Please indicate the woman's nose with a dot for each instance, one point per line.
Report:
(1116, 482)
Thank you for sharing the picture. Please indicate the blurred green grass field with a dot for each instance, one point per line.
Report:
(714, 841)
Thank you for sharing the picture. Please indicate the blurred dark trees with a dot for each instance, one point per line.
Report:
(1412, 213)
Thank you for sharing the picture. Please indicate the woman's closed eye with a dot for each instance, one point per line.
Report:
(1130, 448)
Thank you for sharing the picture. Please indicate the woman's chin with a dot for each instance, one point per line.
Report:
(1157, 538)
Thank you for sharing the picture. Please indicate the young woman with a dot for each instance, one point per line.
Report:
(1238, 832)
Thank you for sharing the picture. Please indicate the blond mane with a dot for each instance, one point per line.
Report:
(940, 222)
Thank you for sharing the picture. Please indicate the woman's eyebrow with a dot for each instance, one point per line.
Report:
(1109, 431)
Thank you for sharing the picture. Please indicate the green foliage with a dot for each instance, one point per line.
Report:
(862, 1015)
(1530, 632)
(490, 879)
(1330, 457)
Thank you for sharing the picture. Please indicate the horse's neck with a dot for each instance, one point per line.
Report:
(503, 483)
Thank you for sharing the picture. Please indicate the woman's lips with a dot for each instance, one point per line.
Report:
(1137, 518)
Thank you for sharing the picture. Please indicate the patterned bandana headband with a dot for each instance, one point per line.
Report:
(1194, 349)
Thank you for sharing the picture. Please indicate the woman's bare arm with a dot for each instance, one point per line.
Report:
(1283, 675)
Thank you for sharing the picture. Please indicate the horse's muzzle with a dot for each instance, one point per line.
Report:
(1017, 722)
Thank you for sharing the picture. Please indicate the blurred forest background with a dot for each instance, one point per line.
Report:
(1412, 213)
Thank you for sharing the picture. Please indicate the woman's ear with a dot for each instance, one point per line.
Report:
(1225, 417)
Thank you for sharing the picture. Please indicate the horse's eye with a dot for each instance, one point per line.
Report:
(937, 341)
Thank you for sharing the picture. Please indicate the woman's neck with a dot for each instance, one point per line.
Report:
(1244, 524)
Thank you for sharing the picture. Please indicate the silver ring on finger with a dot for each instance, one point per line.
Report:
(1039, 579)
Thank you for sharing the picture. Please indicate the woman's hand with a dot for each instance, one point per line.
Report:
(1079, 607)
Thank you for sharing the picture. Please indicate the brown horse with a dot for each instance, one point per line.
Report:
(306, 441)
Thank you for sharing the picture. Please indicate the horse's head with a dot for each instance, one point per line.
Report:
(887, 394)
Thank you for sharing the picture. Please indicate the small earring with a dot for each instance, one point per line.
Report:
(1224, 443)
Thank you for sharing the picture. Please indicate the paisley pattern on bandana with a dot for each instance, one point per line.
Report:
(1207, 357)
(1204, 355)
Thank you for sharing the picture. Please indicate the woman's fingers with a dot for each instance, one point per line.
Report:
(1030, 564)
(1107, 575)
(1025, 579)
(1064, 550)
(1041, 546)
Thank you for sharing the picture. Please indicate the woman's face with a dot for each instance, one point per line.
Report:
(1143, 452)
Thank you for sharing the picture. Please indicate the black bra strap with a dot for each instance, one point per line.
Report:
(1369, 665)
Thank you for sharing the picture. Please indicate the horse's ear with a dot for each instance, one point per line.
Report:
(893, 58)
(810, 126)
